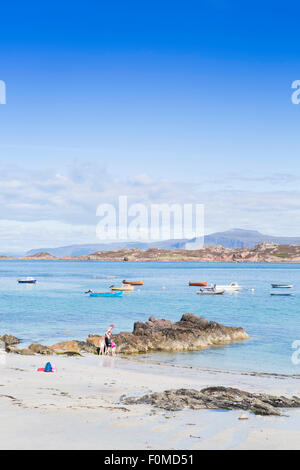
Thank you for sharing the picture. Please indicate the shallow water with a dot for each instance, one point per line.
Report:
(56, 308)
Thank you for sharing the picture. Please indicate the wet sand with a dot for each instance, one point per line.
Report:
(79, 407)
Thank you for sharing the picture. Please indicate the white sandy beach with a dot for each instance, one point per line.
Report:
(79, 407)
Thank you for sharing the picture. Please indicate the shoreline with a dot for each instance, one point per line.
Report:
(80, 407)
(262, 253)
(210, 369)
(283, 261)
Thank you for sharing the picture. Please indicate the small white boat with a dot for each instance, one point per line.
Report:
(124, 288)
(282, 286)
(210, 291)
(230, 288)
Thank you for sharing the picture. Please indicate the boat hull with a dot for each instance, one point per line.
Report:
(134, 283)
(282, 294)
(27, 282)
(122, 288)
(106, 294)
(198, 284)
(282, 286)
(218, 292)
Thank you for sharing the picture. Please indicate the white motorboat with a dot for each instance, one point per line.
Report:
(123, 287)
(210, 291)
(234, 286)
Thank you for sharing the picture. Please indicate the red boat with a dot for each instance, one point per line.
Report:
(134, 283)
(198, 284)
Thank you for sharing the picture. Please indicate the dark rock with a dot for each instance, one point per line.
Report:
(22, 352)
(71, 348)
(217, 398)
(74, 347)
(95, 340)
(87, 347)
(9, 340)
(190, 333)
(40, 349)
(69, 353)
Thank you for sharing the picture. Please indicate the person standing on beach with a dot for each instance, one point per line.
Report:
(108, 339)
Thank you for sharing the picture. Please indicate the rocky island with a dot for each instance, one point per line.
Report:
(266, 252)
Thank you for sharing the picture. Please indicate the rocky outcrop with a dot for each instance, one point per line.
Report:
(190, 333)
(95, 340)
(226, 398)
(9, 340)
(70, 348)
(37, 348)
(22, 352)
(73, 347)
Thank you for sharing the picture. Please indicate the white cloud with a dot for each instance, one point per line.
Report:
(51, 209)
(17, 236)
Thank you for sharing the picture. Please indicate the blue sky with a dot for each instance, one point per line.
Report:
(167, 101)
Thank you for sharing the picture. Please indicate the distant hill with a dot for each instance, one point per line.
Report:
(239, 238)
(79, 250)
(235, 238)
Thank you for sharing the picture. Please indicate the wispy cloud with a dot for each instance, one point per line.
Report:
(50, 208)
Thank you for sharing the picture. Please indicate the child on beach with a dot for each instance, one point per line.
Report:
(102, 347)
(113, 348)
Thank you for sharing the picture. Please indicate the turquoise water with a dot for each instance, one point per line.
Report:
(45, 311)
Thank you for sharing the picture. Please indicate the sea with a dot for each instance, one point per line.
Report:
(57, 309)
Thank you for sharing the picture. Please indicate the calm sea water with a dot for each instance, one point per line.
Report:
(57, 309)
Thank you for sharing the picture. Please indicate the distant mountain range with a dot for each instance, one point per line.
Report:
(235, 238)
(239, 238)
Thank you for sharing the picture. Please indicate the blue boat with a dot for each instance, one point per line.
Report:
(106, 294)
(27, 280)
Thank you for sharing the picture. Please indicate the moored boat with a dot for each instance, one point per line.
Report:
(198, 284)
(210, 291)
(229, 288)
(27, 280)
(106, 294)
(134, 283)
(282, 294)
(124, 288)
(282, 286)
